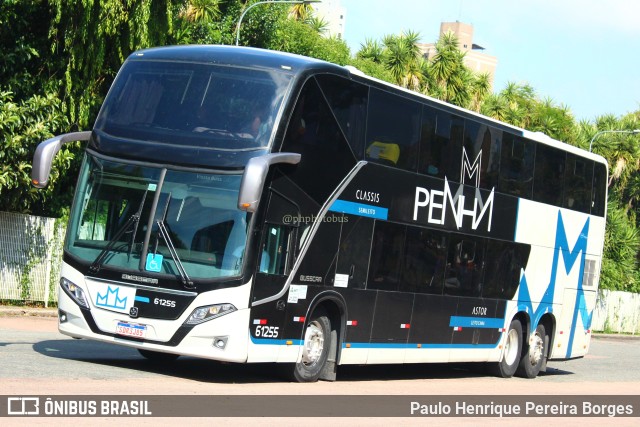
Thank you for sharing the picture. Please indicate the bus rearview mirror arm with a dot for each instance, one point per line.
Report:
(255, 175)
(46, 151)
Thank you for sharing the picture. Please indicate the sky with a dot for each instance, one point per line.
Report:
(584, 54)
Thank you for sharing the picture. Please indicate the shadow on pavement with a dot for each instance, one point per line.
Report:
(204, 370)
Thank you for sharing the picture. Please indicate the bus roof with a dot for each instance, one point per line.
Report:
(238, 56)
(539, 137)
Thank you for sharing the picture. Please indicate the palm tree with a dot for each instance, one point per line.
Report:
(203, 11)
(401, 56)
(319, 25)
(449, 72)
(481, 88)
(301, 12)
(495, 106)
(371, 50)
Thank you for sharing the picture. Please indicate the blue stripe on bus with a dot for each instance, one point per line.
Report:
(359, 209)
(142, 299)
(268, 341)
(476, 322)
(415, 345)
(271, 341)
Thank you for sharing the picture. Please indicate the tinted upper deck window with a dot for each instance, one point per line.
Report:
(193, 104)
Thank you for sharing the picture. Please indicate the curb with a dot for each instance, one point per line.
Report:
(10, 311)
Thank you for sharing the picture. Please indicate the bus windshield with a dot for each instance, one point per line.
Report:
(189, 104)
(196, 229)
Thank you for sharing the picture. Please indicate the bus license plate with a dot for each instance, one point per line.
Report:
(131, 329)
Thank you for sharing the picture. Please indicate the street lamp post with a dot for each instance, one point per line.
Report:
(266, 2)
(635, 131)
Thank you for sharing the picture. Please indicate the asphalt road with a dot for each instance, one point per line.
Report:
(36, 359)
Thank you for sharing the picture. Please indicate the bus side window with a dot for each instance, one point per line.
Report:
(465, 267)
(505, 261)
(424, 260)
(548, 178)
(578, 178)
(516, 166)
(393, 130)
(276, 256)
(599, 191)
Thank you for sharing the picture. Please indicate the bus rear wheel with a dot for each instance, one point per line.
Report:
(533, 358)
(512, 350)
(315, 349)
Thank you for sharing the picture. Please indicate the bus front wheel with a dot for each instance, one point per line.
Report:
(315, 349)
(512, 350)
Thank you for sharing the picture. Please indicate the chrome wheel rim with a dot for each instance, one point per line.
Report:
(313, 343)
(536, 349)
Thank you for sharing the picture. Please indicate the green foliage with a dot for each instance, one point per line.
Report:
(24, 45)
(22, 126)
(298, 37)
(621, 247)
(93, 37)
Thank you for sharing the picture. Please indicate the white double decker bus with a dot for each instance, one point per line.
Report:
(249, 206)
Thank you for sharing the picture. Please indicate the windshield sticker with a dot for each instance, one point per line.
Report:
(154, 262)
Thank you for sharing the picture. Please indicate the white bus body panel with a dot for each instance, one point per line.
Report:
(556, 278)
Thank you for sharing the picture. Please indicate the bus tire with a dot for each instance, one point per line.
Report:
(533, 359)
(158, 356)
(512, 350)
(315, 348)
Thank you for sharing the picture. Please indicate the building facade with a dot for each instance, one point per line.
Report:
(474, 57)
(334, 14)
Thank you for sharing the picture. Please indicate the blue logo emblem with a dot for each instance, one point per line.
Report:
(154, 262)
(111, 300)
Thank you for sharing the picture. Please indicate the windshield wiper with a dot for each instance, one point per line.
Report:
(136, 220)
(133, 219)
(162, 231)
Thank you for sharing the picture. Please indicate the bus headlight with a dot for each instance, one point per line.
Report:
(202, 314)
(74, 291)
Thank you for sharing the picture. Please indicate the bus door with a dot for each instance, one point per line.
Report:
(276, 254)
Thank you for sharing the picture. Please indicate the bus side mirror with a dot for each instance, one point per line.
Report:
(255, 174)
(46, 151)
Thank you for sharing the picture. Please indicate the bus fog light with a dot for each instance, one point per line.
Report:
(202, 314)
(74, 291)
(62, 316)
(220, 342)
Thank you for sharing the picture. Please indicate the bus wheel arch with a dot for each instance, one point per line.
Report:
(322, 333)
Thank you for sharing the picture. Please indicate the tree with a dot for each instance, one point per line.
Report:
(401, 57)
(201, 11)
(22, 126)
(451, 77)
(94, 37)
(297, 37)
(319, 25)
(300, 12)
